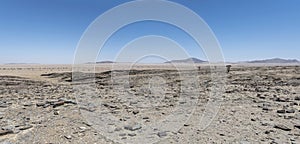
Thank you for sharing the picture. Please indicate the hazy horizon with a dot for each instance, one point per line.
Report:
(146, 62)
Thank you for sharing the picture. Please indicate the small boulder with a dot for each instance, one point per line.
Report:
(59, 103)
(290, 111)
(281, 99)
(281, 111)
(282, 127)
(5, 132)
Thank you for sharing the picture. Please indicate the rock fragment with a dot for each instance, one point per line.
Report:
(297, 126)
(266, 108)
(5, 132)
(46, 105)
(281, 100)
(9, 127)
(67, 101)
(290, 111)
(111, 106)
(25, 127)
(162, 134)
(282, 127)
(82, 129)
(27, 104)
(118, 129)
(40, 104)
(145, 118)
(133, 127)
(132, 134)
(56, 112)
(269, 131)
(3, 106)
(57, 104)
(89, 109)
(68, 137)
(186, 125)
(135, 112)
(297, 116)
(281, 111)
(261, 96)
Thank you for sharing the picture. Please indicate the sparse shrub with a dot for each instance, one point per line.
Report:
(228, 68)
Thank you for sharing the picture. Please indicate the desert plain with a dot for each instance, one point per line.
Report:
(148, 103)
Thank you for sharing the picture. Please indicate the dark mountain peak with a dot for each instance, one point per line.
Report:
(100, 62)
(188, 60)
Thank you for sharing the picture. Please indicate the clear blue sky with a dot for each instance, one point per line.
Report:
(42, 31)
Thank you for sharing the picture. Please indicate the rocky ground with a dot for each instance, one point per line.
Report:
(260, 104)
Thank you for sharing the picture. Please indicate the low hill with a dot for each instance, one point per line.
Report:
(275, 60)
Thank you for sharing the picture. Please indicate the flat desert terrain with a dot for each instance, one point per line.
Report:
(148, 104)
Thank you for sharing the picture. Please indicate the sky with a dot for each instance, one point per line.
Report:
(42, 31)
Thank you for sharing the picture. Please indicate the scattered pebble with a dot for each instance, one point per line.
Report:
(56, 112)
(132, 134)
(162, 134)
(145, 118)
(133, 127)
(186, 125)
(135, 112)
(40, 104)
(68, 137)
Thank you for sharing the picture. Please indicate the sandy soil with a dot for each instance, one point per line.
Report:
(148, 104)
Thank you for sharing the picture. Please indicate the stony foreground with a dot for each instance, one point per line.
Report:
(259, 105)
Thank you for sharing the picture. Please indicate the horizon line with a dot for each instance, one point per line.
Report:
(110, 61)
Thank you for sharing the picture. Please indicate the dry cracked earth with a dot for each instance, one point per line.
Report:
(260, 104)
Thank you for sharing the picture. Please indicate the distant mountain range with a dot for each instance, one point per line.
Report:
(100, 62)
(274, 60)
(195, 60)
(104, 62)
(188, 60)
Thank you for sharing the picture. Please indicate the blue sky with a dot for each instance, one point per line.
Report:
(41, 31)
